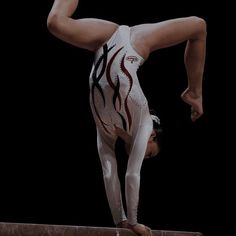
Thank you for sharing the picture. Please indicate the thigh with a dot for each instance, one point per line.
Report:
(146, 38)
(87, 33)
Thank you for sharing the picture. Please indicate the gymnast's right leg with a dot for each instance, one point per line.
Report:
(88, 33)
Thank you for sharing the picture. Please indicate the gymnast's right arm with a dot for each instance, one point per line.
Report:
(86, 33)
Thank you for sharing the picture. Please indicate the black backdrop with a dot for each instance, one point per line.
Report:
(50, 168)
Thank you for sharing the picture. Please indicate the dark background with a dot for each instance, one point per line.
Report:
(50, 170)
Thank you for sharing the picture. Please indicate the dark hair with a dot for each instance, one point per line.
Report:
(157, 128)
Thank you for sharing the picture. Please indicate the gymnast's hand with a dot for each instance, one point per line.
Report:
(141, 230)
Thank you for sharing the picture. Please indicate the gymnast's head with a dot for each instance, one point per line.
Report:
(155, 140)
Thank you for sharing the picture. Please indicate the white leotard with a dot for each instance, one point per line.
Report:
(116, 98)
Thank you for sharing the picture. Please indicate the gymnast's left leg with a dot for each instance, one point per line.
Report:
(147, 38)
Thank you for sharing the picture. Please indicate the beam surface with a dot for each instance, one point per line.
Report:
(22, 229)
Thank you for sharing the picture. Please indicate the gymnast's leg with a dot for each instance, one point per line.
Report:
(147, 38)
(88, 33)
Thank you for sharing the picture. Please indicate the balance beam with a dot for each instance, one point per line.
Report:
(22, 229)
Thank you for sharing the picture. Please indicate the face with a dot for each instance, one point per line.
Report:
(152, 146)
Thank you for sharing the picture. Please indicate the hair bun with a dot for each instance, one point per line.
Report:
(156, 119)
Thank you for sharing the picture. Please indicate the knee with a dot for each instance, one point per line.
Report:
(53, 23)
(200, 26)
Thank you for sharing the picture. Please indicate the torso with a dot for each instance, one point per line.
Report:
(116, 97)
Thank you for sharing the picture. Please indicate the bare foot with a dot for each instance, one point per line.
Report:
(195, 102)
(141, 230)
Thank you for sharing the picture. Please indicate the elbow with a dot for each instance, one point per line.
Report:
(132, 177)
